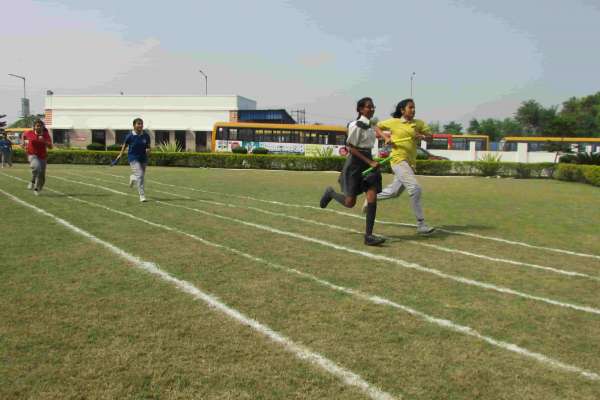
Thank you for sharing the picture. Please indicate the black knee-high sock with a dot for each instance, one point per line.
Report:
(371, 211)
(339, 197)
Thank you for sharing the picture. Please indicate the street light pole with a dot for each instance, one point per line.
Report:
(21, 77)
(24, 100)
(412, 77)
(205, 82)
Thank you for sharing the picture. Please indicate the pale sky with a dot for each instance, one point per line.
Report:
(471, 58)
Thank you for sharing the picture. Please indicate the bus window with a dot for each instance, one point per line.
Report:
(246, 134)
(438, 143)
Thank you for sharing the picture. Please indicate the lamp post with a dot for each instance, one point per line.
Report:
(24, 100)
(412, 77)
(205, 82)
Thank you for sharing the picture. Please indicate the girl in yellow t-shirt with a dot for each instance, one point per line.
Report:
(405, 133)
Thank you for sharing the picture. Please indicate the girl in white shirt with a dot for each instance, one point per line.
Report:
(360, 141)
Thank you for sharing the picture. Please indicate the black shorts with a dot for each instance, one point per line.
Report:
(351, 179)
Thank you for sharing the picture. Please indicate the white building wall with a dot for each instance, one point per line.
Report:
(158, 112)
(81, 114)
(123, 119)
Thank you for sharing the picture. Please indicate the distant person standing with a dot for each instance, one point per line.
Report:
(36, 143)
(137, 155)
(5, 150)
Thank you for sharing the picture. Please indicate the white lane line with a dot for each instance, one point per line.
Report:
(337, 227)
(348, 377)
(443, 323)
(378, 257)
(492, 238)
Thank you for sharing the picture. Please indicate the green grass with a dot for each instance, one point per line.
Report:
(79, 322)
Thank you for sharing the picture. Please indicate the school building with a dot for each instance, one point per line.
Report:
(77, 121)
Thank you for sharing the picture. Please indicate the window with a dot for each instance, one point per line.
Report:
(180, 139)
(161, 137)
(201, 139)
(99, 136)
(438, 143)
(59, 136)
(460, 144)
(246, 134)
(120, 136)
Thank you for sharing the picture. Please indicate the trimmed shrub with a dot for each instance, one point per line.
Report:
(95, 146)
(114, 147)
(464, 168)
(578, 173)
(591, 174)
(434, 167)
(488, 168)
(239, 150)
(260, 150)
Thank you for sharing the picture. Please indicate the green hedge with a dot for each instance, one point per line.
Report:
(570, 172)
(578, 173)
(485, 168)
(209, 160)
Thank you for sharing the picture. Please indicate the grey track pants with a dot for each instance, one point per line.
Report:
(6, 158)
(38, 171)
(404, 177)
(138, 172)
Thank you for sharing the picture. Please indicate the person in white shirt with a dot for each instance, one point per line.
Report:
(360, 141)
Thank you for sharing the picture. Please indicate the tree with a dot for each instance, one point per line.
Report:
(26, 122)
(453, 127)
(474, 126)
(492, 128)
(585, 113)
(434, 126)
(529, 114)
(511, 127)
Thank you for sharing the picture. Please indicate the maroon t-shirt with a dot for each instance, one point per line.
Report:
(36, 145)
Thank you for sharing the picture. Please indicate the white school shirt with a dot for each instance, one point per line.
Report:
(360, 137)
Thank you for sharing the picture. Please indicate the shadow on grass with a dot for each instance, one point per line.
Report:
(441, 232)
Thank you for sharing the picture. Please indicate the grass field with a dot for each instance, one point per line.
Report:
(233, 284)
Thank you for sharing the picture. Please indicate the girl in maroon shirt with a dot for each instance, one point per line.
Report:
(36, 142)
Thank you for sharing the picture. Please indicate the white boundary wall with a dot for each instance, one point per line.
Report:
(521, 155)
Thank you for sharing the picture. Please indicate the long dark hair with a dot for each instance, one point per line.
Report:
(361, 103)
(400, 107)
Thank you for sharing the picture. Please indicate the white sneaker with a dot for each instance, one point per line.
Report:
(424, 229)
(131, 182)
(36, 192)
(30, 186)
(143, 199)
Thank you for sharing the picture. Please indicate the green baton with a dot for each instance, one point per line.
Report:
(381, 162)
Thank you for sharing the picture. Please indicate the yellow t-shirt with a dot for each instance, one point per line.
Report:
(404, 143)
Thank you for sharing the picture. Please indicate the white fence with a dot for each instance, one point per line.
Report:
(521, 155)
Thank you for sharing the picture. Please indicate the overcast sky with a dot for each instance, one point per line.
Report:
(472, 58)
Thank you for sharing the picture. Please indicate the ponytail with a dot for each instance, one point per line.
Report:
(400, 107)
